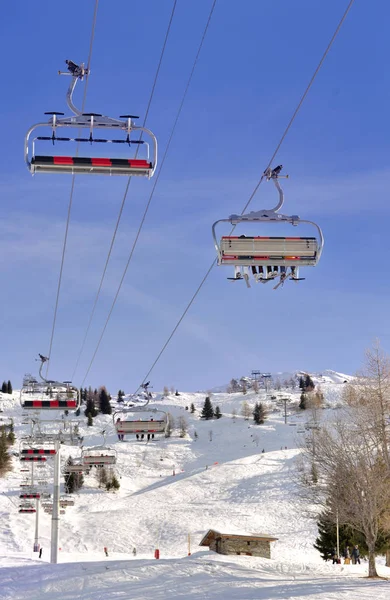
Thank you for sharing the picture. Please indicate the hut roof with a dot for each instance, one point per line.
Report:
(212, 534)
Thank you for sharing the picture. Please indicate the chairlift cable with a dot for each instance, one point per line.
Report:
(124, 196)
(294, 115)
(71, 191)
(153, 189)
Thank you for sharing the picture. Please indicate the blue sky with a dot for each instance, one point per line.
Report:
(254, 66)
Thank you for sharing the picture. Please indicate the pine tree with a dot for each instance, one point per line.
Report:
(11, 434)
(207, 410)
(192, 408)
(217, 412)
(259, 414)
(326, 541)
(90, 405)
(90, 419)
(4, 388)
(301, 383)
(104, 401)
(9, 387)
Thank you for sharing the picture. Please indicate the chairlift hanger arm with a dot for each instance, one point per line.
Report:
(76, 72)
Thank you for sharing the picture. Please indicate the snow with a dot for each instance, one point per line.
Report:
(171, 488)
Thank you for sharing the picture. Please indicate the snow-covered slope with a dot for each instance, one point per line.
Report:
(217, 476)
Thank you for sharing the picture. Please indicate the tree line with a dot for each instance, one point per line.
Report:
(95, 401)
(6, 387)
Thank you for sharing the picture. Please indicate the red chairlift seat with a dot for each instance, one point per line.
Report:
(32, 451)
(71, 403)
(30, 496)
(98, 166)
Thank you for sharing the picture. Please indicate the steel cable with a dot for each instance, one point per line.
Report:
(71, 192)
(124, 197)
(153, 190)
(292, 119)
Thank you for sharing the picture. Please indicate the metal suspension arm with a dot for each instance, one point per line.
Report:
(69, 95)
(77, 72)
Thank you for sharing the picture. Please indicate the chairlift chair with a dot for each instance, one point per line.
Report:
(98, 456)
(269, 257)
(67, 396)
(130, 166)
(129, 426)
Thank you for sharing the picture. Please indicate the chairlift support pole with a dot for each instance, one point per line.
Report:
(284, 400)
(36, 536)
(55, 518)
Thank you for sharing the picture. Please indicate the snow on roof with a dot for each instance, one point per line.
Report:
(212, 534)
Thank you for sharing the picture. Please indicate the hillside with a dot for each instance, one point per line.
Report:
(215, 477)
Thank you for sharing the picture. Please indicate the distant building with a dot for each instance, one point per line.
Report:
(247, 545)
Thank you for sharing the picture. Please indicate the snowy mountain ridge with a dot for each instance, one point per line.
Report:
(320, 377)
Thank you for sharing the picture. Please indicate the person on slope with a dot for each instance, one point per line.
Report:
(356, 555)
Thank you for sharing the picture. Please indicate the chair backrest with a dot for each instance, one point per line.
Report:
(90, 459)
(140, 426)
(268, 250)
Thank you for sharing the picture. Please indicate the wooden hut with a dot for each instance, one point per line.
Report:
(244, 544)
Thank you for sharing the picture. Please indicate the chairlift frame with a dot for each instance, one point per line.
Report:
(107, 456)
(269, 251)
(134, 426)
(91, 122)
(71, 393)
